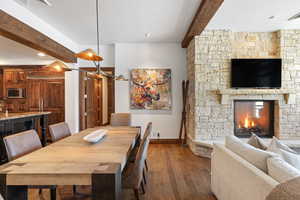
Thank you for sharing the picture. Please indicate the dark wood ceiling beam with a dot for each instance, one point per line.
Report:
(204, 14)
(16, 30)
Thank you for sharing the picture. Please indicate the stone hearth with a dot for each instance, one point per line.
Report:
(211, 115)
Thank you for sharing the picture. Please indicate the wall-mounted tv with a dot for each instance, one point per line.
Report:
(256, 73)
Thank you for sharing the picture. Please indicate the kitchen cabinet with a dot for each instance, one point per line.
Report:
(47, 95)
(14, 78)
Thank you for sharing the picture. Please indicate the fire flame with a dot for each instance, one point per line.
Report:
(248, 123)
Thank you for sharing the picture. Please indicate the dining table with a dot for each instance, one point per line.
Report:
(73, 161)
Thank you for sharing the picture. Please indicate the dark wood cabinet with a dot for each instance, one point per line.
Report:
(53, 93)
(45, 90)
(47, 95)
(14, 78)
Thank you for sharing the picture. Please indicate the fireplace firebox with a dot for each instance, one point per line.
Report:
(254, 116)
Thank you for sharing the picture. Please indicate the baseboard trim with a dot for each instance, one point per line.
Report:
(165, 141)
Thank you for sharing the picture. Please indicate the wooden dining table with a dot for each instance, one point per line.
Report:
(73, 161)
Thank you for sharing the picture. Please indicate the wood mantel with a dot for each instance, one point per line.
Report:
(289, 94)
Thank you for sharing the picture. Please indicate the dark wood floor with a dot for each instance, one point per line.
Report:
(175, 174)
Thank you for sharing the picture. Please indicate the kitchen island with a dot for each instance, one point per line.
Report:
(17, 122)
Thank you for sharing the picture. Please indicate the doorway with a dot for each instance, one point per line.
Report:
(96, 98)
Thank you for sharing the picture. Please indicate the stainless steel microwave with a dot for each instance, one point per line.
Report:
(16, 93)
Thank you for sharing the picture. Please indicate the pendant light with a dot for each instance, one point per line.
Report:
(89, 55)
(58, 66)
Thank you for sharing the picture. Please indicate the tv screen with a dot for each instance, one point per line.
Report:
(256, 73)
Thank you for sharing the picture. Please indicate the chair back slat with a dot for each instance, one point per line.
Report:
(59, 131)
(21, 144)
(120, 119)
(148, 130)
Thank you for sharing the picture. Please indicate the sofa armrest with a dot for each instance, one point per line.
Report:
(234, 178)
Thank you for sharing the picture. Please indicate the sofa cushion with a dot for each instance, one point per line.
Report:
(256, 157)
(257, 142)
(275, 145)
(291, 158)
(280, 170)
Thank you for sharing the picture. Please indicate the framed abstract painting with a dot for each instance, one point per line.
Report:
(150, 89)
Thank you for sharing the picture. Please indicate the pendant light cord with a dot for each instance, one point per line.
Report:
(98, 39)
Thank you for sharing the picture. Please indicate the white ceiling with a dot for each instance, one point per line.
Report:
(253, 15)
(121, 20)
(124, 21)
(15, 53)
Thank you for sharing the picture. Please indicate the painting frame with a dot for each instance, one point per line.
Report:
(151, 89)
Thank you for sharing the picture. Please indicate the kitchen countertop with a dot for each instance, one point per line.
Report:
(21, 115)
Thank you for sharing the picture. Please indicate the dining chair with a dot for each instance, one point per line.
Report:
(120, 119)
(135, 150)
(133, 154)
(132, 177)
(23, 143)
(59, 131)
(146, 135)
(20, 144)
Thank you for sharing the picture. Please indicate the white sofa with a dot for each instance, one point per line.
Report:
(234, 178)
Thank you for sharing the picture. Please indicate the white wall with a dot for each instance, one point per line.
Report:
(154, 55)
(71, 81)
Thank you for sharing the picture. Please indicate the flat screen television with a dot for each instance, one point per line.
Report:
(256, 73)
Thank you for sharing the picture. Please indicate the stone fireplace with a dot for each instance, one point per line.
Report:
(254, 116)
(211, 114)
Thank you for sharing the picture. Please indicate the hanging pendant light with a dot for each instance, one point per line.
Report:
(121, 78)
(89, 54)
(58, 66)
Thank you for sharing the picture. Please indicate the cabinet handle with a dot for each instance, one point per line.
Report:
(42, 105)
(39, 105)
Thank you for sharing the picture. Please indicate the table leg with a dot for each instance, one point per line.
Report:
(44, 125)
(12, 192)
(106, 182)
(53, 193)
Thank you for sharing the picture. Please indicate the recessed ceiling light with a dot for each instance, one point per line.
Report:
(147, 35)
(41, 54)
(271, 17)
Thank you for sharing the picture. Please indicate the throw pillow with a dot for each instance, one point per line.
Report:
(276, 144)
(281, 170)
(256, 157)
(257, 142)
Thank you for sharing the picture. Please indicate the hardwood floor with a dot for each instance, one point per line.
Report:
(175, 174)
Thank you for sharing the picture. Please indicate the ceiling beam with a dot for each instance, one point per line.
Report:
(16, 30)
(204, 14)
